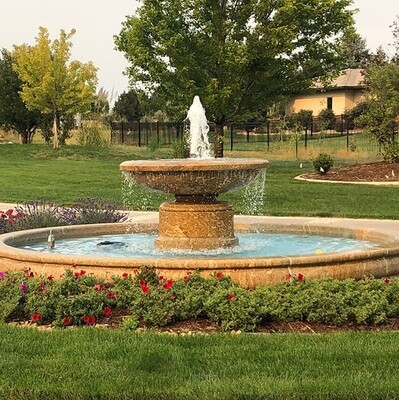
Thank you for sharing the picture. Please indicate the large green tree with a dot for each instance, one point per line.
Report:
(238, 56)
(127, 106)
(382, 107)
(52, 83)
(14, 115)
(354, 51)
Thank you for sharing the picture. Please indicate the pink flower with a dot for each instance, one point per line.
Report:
(1, 275)
(23, 287)
(107, 311)
(172, 298)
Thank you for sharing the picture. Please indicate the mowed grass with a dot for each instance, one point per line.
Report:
(39, 172)
(103, 364)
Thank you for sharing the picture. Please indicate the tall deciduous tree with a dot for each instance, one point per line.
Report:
(382, 107)
(236, 55)
(51, 83)
(14, 115)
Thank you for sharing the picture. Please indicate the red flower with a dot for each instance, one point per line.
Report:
(145, 289)
(74, 265)
(142, 282)
(107, 311)
(112, 295)
(50, 278)
(186, 278)
(219, 275)
(98, 287)
(160, 278)
(67, 321)
(231, 297)
(300, 277)
(79, 274)
(125, 275)
(168, 284)
(89, 319)
(36, 317)
(387, 281)
(287, 276)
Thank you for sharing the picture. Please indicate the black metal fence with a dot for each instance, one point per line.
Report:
(252, 136)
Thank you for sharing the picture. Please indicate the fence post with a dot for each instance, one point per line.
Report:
(158, 140)
(311, 126)
(347, 140)
(268, 134)
(231, 137)
(122, 134)
(139, 143)
(342, 124)
(306, 137)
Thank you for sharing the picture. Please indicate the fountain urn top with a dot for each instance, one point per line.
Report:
(193, 177)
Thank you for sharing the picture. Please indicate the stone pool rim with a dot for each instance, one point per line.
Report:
(380, 261)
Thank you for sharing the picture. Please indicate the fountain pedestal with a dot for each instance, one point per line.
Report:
(196, 220)
(196, 226)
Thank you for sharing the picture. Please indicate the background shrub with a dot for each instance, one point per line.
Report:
(323, 163)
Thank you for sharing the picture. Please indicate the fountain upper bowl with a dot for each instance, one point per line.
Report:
(188, 176)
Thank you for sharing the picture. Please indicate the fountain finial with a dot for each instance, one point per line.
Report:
(199, 128)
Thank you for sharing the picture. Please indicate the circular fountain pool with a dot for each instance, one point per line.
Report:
(380, 260)
(141, 245)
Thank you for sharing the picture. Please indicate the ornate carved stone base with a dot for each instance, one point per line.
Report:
(196, 226)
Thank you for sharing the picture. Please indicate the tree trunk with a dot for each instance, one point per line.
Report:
(56, 143)
(219, 137)
(24, 138)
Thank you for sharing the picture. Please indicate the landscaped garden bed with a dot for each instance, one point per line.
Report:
(194, 303)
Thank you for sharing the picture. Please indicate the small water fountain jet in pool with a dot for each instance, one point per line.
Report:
(196, 219)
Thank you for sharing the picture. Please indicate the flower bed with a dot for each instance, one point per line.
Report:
(149, 300)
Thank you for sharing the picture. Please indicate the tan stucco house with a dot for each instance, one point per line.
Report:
(342, 93)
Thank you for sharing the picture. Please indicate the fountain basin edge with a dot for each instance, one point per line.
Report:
(380, 261)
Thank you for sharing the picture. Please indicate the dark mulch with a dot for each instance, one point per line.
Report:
(370, 172)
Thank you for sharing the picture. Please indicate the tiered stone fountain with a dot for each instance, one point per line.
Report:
(197, 220)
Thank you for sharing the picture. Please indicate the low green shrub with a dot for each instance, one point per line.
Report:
(322, 163)
(390, 152)
(147, 299)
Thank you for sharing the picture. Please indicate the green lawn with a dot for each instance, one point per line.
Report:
(102, 364)
(38, 172)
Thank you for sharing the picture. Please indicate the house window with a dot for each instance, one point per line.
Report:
(329, 103)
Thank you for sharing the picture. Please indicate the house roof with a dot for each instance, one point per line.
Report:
(349, 78)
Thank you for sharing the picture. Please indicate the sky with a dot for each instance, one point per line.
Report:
(96, 22)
